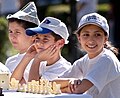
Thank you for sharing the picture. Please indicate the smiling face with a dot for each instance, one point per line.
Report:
(92, 39)
(18, 37)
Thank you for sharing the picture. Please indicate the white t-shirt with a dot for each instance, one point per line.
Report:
(54, 71)
(103, 71)
(13, 61)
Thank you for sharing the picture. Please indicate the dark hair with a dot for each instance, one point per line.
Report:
(56, 36)
(109, 46)
(23, 23)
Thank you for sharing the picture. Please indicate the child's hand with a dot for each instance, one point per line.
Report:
(32, 51)
(74, 85)
(47, 53)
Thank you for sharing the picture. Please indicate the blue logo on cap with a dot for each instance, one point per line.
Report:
(93, 17)
(46, 21)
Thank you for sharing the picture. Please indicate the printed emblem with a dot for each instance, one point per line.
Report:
(93, 17)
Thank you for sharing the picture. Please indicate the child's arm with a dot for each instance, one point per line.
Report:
(65, 82)
(44, 55)
(19, 70)
(34, 70)
(80, 88)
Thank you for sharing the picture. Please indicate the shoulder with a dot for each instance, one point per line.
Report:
(81, 62)
(108, 58)
(82, 59)
(109, 55)
(11, 58)
(63, 61)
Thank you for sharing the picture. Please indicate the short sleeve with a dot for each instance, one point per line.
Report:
(74, 72)
(98, 75)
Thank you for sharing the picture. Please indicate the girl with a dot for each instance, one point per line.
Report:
(99, 70)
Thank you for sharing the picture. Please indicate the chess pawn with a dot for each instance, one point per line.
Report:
(24, 88)
(50, 91)
(19, 87)
(14, 84)
(41, 89)
(28, 87)
(32, 88)
(56, 88)
(36, 88)
(58, 91)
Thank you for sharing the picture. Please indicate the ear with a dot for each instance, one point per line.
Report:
(78, 37)
(60, 43)
(106, 39)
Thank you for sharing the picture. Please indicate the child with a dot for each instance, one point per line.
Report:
(98, 72)
(17, 24)
(48, 63)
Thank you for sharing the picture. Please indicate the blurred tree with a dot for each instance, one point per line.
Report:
(3, 39)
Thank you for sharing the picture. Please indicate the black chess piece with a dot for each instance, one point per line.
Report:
(1, 94)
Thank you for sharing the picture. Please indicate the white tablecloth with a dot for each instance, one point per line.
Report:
(30, 95)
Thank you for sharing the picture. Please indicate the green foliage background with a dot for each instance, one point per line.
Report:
(6, 48)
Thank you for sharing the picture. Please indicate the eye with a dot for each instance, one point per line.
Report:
(37, 39)
(97, 34)
(10, 31)
(18, 32)
(45, 40)
(85, 34)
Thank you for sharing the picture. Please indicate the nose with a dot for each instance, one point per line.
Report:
(39, 43)
(91, 39)
(12, 35)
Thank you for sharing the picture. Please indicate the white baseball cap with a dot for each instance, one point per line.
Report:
(27, 13)
(96, 19)
(50, 24)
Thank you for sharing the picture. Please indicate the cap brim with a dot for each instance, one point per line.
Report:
(37, 30)
(83, 25)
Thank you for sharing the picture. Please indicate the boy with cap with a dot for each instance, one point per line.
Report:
(98, 72)
(48, 63)
(17, 24)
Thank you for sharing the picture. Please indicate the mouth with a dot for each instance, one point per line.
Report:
(91, 46)
(14, 42)
(40, 49)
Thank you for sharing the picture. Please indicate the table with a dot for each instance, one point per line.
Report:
(10, 94)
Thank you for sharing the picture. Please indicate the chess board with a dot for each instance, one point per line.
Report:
(12, 94)
(34, 89)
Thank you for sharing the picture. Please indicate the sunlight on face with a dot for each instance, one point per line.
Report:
(92, 39)
(43, 41)
(18, 37)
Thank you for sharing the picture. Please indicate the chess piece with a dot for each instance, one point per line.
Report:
(1, 94)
